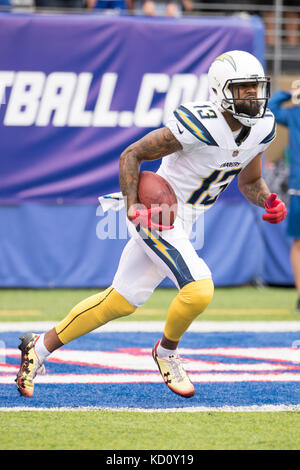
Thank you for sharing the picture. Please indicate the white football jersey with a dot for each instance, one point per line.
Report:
(210, 158)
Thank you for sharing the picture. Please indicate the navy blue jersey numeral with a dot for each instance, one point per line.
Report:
(202, 195)
(205, 112)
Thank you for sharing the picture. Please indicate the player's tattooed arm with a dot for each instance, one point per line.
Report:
(155, 145)
(251, 183)
(256, 192)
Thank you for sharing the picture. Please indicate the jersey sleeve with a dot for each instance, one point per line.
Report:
(188, 128)
(186, 139)
(271, 130)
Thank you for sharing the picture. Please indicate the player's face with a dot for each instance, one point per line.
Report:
(245, 94)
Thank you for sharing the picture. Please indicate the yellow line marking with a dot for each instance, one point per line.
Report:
(247, 311)
(20, 312)
(223, 311)
(151, 311)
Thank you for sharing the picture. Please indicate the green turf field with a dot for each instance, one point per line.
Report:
(134, 430)
(149, 431)
(228, 304)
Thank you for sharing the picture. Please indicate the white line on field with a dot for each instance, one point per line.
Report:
(158, 326)
(192, 409)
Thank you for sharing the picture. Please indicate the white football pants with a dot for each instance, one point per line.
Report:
(150, 256)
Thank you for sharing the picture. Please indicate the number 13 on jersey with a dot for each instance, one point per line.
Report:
(202, 196)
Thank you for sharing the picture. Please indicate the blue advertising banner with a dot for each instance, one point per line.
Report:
(76, 90)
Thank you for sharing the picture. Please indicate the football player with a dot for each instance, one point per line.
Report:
(203, 146)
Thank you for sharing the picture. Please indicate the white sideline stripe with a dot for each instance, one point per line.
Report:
(197, 366)
(155, 378)
(158, 326)
(195, 409)
(144, 362)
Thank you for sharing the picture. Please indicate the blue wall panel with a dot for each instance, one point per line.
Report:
(57, 246)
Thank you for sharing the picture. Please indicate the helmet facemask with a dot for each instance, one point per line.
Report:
(246, 110)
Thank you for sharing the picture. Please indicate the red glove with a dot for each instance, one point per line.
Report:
(275, 209)
(143, 217)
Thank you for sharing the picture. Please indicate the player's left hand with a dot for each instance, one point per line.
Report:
(275, 209)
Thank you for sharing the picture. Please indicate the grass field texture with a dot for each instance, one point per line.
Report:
(232, 303)
(105, 430)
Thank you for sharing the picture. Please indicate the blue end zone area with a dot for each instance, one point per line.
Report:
(116, 370)
(141, 396)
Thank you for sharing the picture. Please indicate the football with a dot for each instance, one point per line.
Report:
(153, 191)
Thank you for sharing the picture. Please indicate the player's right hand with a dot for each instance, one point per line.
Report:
(143, 217)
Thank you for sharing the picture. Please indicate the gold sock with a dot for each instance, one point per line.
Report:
(91, 313)
(190, 301)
